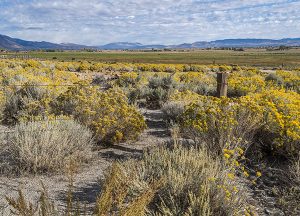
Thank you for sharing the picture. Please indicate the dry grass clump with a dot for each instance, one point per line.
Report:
(293, 194)
(46, 146)
(21, 206)
(193, 183)
(116, 197)
(44, 205)
(288, 195)
(296, 169)
(5, 166)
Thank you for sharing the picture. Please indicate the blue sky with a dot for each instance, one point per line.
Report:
(97, 22)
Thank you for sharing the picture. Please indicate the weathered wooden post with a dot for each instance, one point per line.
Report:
(222, 84)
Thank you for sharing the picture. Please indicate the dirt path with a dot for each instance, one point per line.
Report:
(86, 182)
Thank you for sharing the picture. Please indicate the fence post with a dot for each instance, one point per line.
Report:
(222, 84)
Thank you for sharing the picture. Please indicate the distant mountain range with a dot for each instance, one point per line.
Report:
(18, 44)
(126, 45)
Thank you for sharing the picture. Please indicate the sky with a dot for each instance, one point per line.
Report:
(98, 22)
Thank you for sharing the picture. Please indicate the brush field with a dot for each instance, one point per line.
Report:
(144, 134)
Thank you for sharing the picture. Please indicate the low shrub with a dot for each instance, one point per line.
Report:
(281, 131)
(134, 95)
(24, 103)
(270, 118)
(162, 82)
(174, 108)
(205, 89)
(83, 67)
(275, 79)
(184, 96)
(291, 79)
(99, 80)
(155, 98)
(106, 113)
(159, 90)
(241, 86)
(192, 183)
(217, 122)
(173, 111)
(46, 146)
(128, 79)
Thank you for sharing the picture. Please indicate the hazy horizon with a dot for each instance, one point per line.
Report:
(137, 42)
(148, 22)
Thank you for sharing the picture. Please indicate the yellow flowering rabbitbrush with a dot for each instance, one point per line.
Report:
(272, 117)
(219, 121)
(281, 129)
(107, 113)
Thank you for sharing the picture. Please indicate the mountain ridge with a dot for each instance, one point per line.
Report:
(9, 43)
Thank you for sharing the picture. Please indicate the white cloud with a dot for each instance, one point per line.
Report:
(96, 22)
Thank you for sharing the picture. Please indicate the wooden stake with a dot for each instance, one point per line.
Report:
(222, 84)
